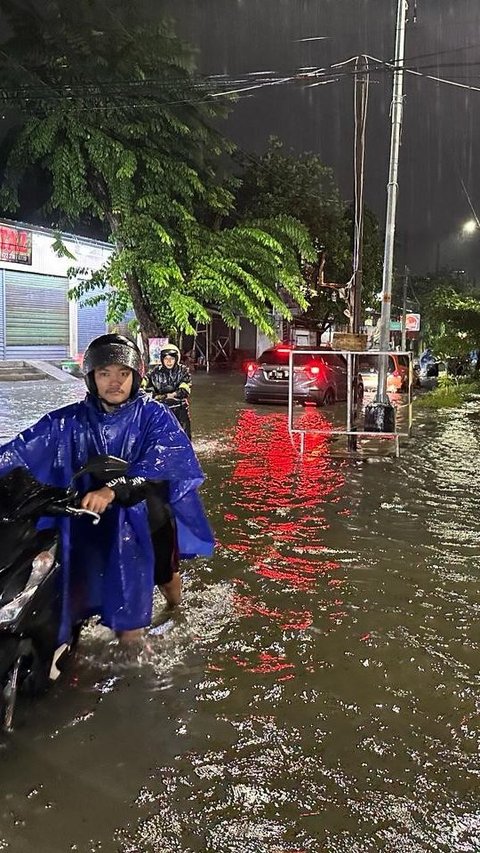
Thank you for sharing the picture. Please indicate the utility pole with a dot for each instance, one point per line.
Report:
(381, 414)
(360, 112)
(404, 308)
(360, 104)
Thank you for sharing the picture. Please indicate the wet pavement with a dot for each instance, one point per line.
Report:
(318, 688)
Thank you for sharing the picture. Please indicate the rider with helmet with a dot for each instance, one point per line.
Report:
(154, 512)
(170, 382)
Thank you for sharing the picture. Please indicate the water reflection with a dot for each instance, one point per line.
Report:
(280, 495)
(318, 691)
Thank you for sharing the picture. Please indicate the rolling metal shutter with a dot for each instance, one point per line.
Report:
(37, 316)
(91, 323)
(2, 317)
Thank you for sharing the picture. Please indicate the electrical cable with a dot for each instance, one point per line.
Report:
(436, 79)
(121, 88)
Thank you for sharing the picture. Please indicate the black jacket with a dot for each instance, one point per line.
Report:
(162, 381)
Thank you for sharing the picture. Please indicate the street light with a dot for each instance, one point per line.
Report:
(470, 226)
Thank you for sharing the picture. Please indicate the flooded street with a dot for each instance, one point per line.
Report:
(317, 690)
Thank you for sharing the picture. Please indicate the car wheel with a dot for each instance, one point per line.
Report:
(328, 397)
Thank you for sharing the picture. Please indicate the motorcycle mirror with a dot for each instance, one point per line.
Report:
(103, 467)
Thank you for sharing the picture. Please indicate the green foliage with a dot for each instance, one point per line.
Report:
(303, 187)
(450, 309)
(238, 269)
(109, 112)
(455, 322)
(450, 393)
(61, 249)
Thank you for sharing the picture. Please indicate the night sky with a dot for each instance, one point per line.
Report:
(441, 123)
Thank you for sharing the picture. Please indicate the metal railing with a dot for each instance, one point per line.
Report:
(352, 421)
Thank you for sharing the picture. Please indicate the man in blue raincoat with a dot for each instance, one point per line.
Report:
(149, 517)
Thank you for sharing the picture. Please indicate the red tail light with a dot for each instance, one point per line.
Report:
(315, 370)
(252, 367)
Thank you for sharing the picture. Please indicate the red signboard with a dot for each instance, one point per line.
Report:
(15, 245)
(412, 322)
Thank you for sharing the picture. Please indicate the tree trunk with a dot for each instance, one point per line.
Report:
(148, 326)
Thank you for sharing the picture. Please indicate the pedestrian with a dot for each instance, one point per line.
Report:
(154, 512)
(170, 382)
(427, 357)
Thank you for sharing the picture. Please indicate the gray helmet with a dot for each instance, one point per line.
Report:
(112, 349)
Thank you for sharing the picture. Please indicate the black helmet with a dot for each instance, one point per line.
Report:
(112, 349)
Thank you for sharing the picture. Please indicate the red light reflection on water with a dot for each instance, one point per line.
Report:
(274, 476)
(271, 468)
(267, 663)
(298, 572)
(281, 495)
(287, 619)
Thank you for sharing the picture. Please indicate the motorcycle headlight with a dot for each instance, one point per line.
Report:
(9, 612)
(41, 566)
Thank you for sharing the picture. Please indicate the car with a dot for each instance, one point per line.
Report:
(398, 371)
(319, 378)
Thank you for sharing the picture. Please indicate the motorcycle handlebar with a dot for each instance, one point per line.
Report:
(70, 505)
(72, 510)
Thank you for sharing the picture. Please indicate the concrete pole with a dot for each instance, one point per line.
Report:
(360, 110)
(392, 192)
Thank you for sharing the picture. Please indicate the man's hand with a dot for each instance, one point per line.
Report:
(171, 395)
(98, 501)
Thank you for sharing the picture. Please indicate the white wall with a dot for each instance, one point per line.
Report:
(88, 254)
(46, 262)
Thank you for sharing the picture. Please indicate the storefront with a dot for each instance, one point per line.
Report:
(37, 318)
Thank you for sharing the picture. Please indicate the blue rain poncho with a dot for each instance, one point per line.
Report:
(107, 569)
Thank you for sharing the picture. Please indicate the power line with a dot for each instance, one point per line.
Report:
(433, 77)
(336, 72)
(239, 79)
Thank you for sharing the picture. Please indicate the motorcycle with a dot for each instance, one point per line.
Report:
(30, 561)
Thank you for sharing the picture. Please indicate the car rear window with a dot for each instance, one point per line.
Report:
(369, 363)
(273, 356)
(279, 356)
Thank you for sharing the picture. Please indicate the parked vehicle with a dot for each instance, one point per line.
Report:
(428, 375)
(30, 558)
(319, 379)
(398, 371)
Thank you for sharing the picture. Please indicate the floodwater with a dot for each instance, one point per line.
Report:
(318, 688)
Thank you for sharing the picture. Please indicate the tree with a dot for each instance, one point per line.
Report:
(110, 114)
(452, 318)
(449, 305)
(281, 182)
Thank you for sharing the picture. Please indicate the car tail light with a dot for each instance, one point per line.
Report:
(284, 349)
(315, 370)
(252, 368)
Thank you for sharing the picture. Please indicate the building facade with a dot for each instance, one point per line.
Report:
(38, 320)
